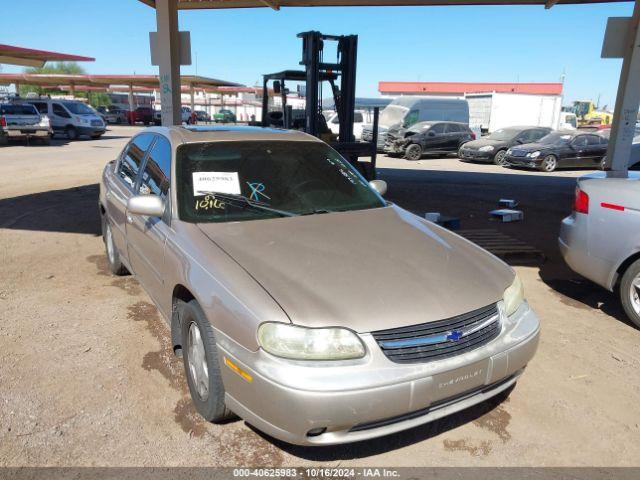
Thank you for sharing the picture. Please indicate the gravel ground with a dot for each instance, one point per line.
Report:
(87, 376)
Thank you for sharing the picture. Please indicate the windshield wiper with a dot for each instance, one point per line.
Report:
(241, 200)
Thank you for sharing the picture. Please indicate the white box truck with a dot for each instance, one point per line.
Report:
(491, 111)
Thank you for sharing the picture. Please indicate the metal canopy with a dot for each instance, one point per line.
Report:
(297, 76)
(276, 4)
(149, 81)
(28, 57)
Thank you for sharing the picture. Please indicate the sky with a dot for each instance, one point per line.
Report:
(461, 43)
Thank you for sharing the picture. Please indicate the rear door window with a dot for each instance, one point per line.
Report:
(593, 140)
(452, 128)
(10, 109)
(132, 158)
(580, 141)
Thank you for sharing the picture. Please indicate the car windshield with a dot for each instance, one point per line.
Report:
(555, 139)
(78, 108)
(503, 134)
(299, 178)
(18, 110)
(392, 115)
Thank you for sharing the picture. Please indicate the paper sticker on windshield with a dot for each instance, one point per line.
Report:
(220, 182)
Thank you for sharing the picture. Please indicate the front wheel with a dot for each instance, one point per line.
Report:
(549, 163)
(500, 158)
(200, 356)
(72, 133)
(413, 152)
(630, 292)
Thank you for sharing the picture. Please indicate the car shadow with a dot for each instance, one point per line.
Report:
(71, 210)
(395, 441)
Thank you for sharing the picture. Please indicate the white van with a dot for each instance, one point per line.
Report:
(403, 112)
(359, 120)
(70, 117)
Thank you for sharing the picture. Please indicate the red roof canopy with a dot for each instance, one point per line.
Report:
(35, 58)
(460, 88)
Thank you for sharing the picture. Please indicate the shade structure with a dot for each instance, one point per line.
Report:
(28, 57)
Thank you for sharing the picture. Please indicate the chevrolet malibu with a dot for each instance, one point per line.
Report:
(297, 297)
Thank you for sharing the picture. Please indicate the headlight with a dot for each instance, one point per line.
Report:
(44, 121)
(486, 148)
(300, 343)
(534, 155)
(513, 296)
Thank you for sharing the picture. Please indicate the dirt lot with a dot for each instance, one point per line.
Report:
(87, 377)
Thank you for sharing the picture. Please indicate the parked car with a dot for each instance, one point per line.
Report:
(70, 117)
(427, 138)
(405, 111)
(185, 114)
(600, 240)
(143, 115)
(493, 147)
(112, 114)
(22, 120)
(157, 117)
(281, 295)
(224, 116)
(358, 123)
(202, 116)
(559, 149)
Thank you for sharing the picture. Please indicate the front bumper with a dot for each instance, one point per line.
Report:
(475, 155)
(370, 397)
(91, 131)
(395, 146)
(524, 162)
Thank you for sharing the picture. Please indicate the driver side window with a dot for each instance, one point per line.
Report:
(580, 141)
(411, 118)
(60, 111)
(438, 128)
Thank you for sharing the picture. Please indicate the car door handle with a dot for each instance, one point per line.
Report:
(129, 218)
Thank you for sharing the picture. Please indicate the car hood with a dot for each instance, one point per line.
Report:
(532, 147)
(366, 270)
(483, 142)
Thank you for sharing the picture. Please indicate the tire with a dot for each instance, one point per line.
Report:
(549, 163)
(630, 292)
(4, 140)
(499, 158)
(113, 257)
(46, 140)
(413, 152)
(72, 133)
(200, 356)
(95, 137)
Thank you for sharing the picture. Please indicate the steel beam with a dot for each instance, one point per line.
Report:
(627, 100)
(169, 61)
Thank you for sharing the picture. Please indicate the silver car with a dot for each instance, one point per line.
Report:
(600, 240)
(298, 298)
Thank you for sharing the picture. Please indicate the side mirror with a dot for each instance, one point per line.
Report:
(379, 186)
(432, 134)
(519, 141)
(150, 205)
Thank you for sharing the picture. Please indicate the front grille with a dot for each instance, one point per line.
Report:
(431, 341)
(96, 123)
(518, 153)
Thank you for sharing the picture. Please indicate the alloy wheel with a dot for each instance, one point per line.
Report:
(109, 245)
(549, 163)
(634, 294)
(499, 159)
(197, 361)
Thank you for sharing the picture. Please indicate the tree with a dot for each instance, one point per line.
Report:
(63, 68)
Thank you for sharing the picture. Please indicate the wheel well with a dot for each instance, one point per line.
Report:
(624, 265)
(181, 294)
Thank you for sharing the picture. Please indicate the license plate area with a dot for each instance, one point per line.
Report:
(460, 380)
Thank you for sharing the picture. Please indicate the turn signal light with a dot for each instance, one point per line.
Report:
(581, 204)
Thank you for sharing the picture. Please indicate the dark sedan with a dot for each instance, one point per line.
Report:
(427, 137)
(493, 147)
(561, 149)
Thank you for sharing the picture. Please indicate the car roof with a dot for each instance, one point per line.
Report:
(199, 133)
(523, 127)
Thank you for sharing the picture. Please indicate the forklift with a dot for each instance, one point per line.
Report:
(316, 72)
